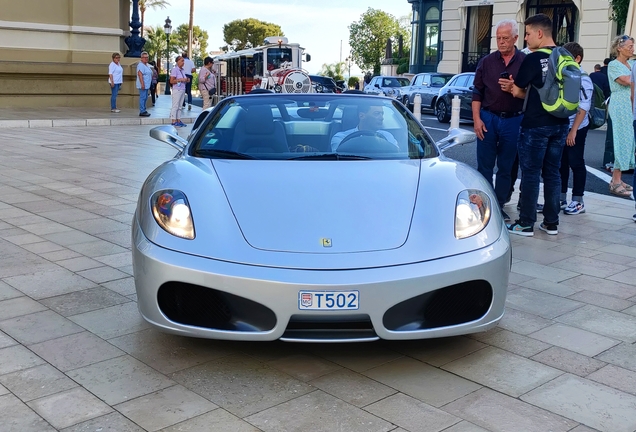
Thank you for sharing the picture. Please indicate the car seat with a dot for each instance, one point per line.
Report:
(258, 132)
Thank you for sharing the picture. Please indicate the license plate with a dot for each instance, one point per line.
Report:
(328, 300)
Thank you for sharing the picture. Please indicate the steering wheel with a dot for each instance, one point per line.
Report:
(360, 133)
(380, 143)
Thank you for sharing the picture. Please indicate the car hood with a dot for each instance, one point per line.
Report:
(315, 207)
(277, 213)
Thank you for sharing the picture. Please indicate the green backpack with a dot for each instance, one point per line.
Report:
(597, 114)
(560, 92)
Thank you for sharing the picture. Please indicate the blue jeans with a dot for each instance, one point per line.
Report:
(500, 145)
(540, 151)
(143, 97)
(188, 90)
(113, 96)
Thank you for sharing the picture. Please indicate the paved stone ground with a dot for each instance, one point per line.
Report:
(76, 356)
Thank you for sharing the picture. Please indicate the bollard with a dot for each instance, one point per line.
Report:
(455, 105)
(417, 106)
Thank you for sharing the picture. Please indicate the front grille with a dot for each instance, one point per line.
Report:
(199, 306)
(329, 327)
(452, 305)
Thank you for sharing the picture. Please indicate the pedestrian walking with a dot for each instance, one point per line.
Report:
(207, 82)
(497, 114)
(155, 80)
(542, 136)
(620, 109)
(573, 152)
(116, 79)
(144, 80)
(178, 79)
(189, 69)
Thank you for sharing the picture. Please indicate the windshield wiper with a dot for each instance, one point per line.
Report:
(330, 156)
(223, 154)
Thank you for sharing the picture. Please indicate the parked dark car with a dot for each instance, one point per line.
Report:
(427, 85)
(460, 85)
(323, 84)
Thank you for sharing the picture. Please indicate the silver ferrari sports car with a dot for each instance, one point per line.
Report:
(317, 218)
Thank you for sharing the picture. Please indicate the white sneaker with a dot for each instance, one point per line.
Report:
(574, 208)
(115, 110)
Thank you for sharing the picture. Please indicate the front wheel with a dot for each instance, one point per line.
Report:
(442, 112)
(405, 101)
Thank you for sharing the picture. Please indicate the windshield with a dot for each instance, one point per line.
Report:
(395, 82)
(311, 127)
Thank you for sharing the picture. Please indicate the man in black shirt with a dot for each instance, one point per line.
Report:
(497, 113)
(601, 80)
(542, 135)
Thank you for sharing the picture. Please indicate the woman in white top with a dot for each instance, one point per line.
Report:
(178, 80)
(115, 78)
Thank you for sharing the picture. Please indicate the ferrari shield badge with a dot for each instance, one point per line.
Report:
(326, 242)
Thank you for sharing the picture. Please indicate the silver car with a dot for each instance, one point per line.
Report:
(317, 218)
(390, 86)
(427, 85)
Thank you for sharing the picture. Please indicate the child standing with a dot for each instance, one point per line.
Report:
(573, 152)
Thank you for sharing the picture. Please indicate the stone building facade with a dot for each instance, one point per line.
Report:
(56, 52)
(466, 29)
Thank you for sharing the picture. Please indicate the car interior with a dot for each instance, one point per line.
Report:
(265, 130)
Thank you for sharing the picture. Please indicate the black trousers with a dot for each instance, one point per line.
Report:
(572, 157)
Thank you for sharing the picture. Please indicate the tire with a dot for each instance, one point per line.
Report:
(405, 101)
(442, 113)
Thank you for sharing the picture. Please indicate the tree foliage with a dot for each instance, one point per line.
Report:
(248, 33)
(368, 37)
(150, 4)
(619, 12)
(334, 70)
(179, 41)
(155, 44)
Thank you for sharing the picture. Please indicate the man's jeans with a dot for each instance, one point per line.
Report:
(113, 96)
(143, 97)
(188, 90)
(500, 144)
(540, 151)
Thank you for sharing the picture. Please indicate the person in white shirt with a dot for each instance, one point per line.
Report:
(115, 78)
(370, 118)
(190, 69)
(572, 156)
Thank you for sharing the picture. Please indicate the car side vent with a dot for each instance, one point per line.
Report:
(200, 306)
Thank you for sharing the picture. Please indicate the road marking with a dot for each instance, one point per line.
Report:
(599, 174)
(437, 129)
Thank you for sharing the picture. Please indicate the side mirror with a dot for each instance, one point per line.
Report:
(169, 135)
(377, 85)
(455, 137)
(307, 57)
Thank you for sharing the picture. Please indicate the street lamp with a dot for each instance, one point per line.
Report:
(168, 29)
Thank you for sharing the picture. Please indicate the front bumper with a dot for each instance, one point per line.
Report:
(276, 290)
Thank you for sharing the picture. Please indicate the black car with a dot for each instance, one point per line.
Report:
(460, 85)
(323, 84)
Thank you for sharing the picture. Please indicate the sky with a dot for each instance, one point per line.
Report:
(319, 26)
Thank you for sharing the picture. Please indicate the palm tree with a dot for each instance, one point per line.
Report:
(152, 4)
(190, 35)
(334, 70)
(156, 44)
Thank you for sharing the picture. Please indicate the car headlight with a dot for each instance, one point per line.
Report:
(172, 212)
(472, 213)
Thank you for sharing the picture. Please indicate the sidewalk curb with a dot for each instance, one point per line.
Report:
(126, 121)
